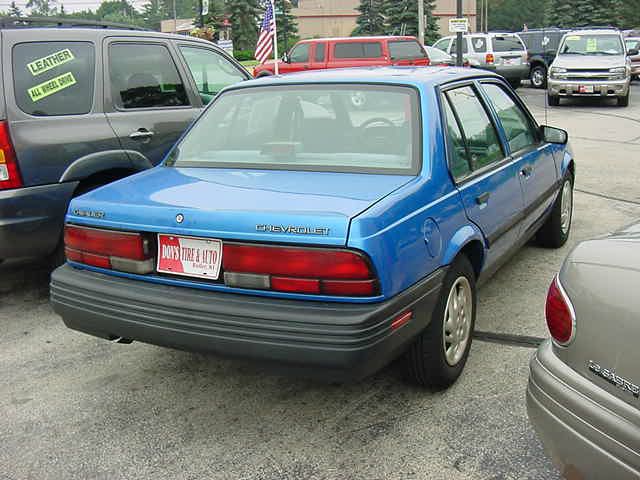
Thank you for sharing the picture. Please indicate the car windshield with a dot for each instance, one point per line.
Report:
(343, 128)
(591, 45)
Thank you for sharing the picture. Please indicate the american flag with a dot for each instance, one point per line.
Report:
(264, 48)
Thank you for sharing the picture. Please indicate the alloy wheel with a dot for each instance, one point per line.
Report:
(457, 321)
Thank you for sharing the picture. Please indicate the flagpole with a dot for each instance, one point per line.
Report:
(275, 38)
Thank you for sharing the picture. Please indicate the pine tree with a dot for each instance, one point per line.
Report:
(582, 13)
(153, 12)
(243, 15)
(432, 29)
(402, 18)
(41, 8)
(14, 11)
(287, 25)
(371, 21)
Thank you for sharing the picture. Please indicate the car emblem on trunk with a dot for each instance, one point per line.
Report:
(293, 229)
(88, 213)
(614, 379)
(179, 218)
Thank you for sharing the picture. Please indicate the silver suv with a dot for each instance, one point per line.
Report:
(503, 53)
(590, 63)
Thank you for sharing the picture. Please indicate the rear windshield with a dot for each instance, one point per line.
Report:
(54, 78)
(479, 44)
(406, 50)
(358, 50)
(507, 43)
(339, 128)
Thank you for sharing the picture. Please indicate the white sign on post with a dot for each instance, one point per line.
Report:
(457, 25)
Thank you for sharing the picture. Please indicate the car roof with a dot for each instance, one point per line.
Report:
(359, 39)
(411, 76)
(598, 31)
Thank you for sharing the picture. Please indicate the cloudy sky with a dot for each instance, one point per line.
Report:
(69, 5)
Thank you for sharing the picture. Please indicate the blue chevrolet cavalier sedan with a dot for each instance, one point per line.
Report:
(325, 222)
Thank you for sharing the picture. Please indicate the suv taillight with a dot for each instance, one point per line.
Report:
(316, 271)
(9, 173)
(125, 251)
(490, 59)
(560, 315)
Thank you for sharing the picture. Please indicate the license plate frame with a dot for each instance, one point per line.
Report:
(195, 257)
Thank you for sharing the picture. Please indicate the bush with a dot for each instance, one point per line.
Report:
(243, 55)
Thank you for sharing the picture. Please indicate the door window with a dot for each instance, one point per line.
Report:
(320, 52)
(358, 50)
(211, 71)
(300, 54)
(483, 145)
(454, 46)
(144, 76)
(54, 78)
(518, 128)
(458, 155)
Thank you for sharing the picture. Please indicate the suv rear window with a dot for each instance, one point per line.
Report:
(54, 78)
(406, 50)
(358, 50)
(509, 43)
(337, 128)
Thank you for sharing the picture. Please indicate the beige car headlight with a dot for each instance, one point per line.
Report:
(557, 73)
(618, 73)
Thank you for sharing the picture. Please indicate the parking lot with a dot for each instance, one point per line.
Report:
(77, 407)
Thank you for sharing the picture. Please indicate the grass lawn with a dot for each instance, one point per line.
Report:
(249, 63)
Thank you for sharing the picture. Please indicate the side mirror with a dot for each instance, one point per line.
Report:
(633, 52)
(554, 135)
(286, 58)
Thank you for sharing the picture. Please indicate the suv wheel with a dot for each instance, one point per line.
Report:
(553, 100)
(439, 353)
(623, 101)
(538, 76)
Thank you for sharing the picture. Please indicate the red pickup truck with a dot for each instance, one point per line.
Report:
(322, 53)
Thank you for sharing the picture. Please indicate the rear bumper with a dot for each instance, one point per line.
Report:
(589, 433)
(329, 340)
(31, 219)
(604, 88)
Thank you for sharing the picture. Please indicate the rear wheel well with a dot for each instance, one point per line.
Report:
(474, 251)
(572, 169)
(101, 178)
(538, 63)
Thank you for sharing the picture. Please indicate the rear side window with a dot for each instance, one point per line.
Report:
(458, 155)
(54, 78)
(454, 46)
(406, 50)
(320, 52)
(300, 54)
(509, 43)
(358, 50)
(479, 44)
(144, 76)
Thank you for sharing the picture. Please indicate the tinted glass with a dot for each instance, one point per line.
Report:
(454, 46)
(508, 43)
(443, 44)
(406, 50)
(482, 141)
(336, 128)
(320, 52)
(458, 157)
(517, 126)
(211, 71)
(300, 54)
(54, 78)
(144, 76)
(592, 45)
(632, 43)
(479, 44)
(358, 50)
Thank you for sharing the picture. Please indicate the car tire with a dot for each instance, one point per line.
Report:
(555, 231)
(429, 363)
(515, 83)
(553, 100)
(623, 101)
(538, 76)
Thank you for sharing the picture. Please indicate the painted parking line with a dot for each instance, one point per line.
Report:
(508, 339)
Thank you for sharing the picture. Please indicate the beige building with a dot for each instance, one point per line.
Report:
(337, 18)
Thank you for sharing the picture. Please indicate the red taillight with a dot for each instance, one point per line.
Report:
(124, 251)
(490, 59)
(560, 315)
(108, 243)
(9, 172)
(299, 270)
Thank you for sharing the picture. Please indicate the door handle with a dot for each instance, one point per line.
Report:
(526, 171)
(483, 198)
(141, 134)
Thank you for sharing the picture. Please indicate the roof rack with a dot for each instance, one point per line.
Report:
(595, 27)
(65, 22)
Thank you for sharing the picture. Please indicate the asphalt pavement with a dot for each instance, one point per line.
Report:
(77, 407)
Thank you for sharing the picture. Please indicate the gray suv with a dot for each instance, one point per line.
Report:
(503, 53)
(591, 63)
(83, 106)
